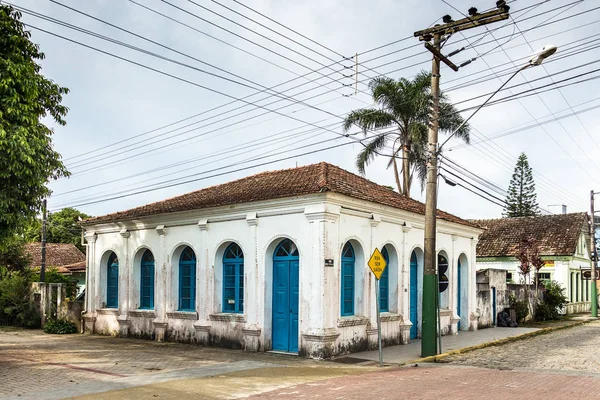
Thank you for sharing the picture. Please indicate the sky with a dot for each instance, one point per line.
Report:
(296, 77)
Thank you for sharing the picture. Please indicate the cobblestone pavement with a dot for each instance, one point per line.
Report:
(36, 365)
(562, 364)
(572, 349)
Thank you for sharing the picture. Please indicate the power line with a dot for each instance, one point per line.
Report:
(168, 125)
(211, 176)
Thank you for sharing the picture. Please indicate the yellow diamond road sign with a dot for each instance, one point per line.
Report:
(377, 263)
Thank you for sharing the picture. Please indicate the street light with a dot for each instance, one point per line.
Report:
(428, 341)
(536, 59)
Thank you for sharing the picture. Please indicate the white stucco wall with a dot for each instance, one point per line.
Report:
(319, 225)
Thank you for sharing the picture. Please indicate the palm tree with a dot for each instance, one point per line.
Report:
(404, 107)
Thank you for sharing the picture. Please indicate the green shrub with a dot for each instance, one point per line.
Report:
(543, 312)
(520, 306)
(553, 300)
(60, 326)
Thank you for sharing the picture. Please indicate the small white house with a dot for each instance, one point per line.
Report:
(563, 242)
(275, 261)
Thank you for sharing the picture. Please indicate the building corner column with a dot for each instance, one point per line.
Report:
(203, 287)
(370, 286)
(89, 317)
(453, 295)
(403, 293)
(125, 278)
(472, 288)
(318, 283)
(252, 331)
(160, 322)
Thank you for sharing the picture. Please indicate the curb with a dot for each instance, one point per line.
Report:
(542, 331)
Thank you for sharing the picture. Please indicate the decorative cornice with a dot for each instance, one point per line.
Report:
(193, 315)
(160, 324)
(90, 237)
(252, 219)
(203, 224)
(161, 230)
(202, 326)
(375, 220)
(320, 212)
(388, 317)
(142, 313)
(108, 311)
(321, 335)
(352, 321)
(251, 331)
(124, 233)
(228, 317)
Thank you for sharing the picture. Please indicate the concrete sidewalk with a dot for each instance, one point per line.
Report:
(404, 353)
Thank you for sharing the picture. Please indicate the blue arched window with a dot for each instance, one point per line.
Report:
(384, 284)
(347, 280)
(187, 280)
(147, 281)
(233, 279)
(112, 282)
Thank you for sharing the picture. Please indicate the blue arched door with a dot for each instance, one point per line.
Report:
(414, 294)
(384, 284)
(347, 280)
(458, 291)
(286, 277)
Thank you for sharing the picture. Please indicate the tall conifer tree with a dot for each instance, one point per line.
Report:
(521, 200)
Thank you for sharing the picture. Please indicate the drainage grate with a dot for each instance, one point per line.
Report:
(350, 360)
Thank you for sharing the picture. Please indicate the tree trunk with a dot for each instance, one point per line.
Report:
(405, 171)
(396, 175)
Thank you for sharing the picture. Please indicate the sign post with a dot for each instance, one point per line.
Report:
(377, 264)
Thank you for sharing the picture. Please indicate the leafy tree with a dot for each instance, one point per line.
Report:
(27, 158)
(61, 228)
(521, 200)
(404, 106)
(12, 255)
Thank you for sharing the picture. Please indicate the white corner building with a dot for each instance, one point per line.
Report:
(275, 261)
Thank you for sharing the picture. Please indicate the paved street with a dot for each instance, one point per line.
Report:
(564, 363)
(35, 365)
(559, 365)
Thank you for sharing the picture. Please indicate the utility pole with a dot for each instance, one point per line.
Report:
(437, 34)
(594, 258)
(43, 264)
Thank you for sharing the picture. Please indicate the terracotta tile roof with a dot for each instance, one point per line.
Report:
(75, 267)
(310, 179)
(557, 235)
(57, 254)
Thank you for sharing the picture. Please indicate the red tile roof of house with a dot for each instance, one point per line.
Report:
(75, 267)
(557, 235)
(57, 254)
(310, 179)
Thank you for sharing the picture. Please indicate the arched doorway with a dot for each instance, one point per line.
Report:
(112, 282)
(286, 276)
(348, 260)
(414, 294)
(187, 280)
(147, 281)
(384, 284)
(458, 292)
(233, 279)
